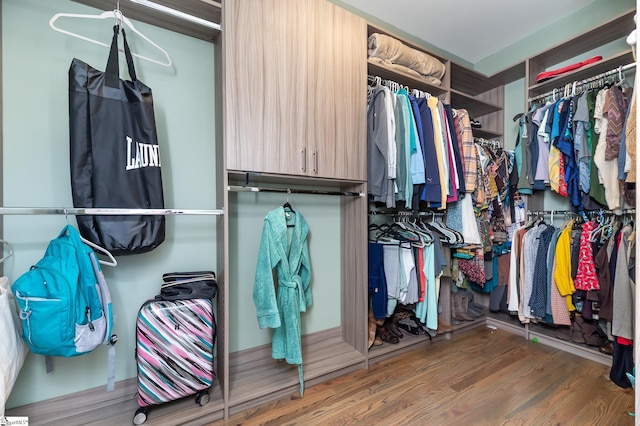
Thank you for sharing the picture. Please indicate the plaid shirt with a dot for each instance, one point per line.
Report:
(469, 153)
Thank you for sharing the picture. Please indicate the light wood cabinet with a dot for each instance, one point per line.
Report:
(295, 89)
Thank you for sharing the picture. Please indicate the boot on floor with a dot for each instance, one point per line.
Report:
(459, 311)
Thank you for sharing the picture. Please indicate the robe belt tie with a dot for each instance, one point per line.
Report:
(296, 283)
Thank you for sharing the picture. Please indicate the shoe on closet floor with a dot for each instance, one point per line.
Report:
(387, 336)
(392, 325)
(409, 326)
(563, 333)
(607, 348)
(443, 327)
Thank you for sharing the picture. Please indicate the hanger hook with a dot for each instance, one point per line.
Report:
(620, 75)
(66, 214)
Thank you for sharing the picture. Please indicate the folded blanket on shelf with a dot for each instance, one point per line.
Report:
(393, 51)
(406, 70)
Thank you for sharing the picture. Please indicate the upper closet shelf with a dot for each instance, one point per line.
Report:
(587, 71)
(486, 134)
(469, 81)
(475, 107)
(207, 10)
(609, 31)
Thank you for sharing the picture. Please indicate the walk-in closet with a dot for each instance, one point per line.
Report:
(366, 190)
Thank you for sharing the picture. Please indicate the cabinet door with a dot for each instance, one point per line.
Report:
(337, 93)
(265, 79)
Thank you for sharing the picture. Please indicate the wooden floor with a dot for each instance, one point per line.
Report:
(482, 377)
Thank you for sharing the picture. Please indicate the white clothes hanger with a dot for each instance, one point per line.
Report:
(10, 250)
(120, 18)
(112, 260)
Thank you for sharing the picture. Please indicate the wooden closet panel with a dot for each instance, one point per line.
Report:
(337, 93)
(265, 82)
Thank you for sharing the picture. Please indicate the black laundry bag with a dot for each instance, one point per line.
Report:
(115, 158)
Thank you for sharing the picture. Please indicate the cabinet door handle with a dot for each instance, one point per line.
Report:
(304, 159)
(315, 162)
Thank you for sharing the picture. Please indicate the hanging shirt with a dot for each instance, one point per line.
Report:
(377, 144)
(564, 143)
(427, 310)
(432, 190)
(403, 141)
(469, 153)
(454, 128)
(542, 169)
(607, 169)
(581, 145)
(622, 324)
(562, 274)
(631, 134)
(596, 190)
(616, 111)
(538, 299)
(432, 102)
(586, 278)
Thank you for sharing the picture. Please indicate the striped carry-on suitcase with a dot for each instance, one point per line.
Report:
(174, 352)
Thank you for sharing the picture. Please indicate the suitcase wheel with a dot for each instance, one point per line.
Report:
(140, 416)
(202, 398)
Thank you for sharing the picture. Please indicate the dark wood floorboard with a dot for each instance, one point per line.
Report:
(481, 377)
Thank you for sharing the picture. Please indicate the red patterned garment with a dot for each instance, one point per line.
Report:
(586, 277)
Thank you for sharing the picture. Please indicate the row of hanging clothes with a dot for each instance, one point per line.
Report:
(578, 276)
(415, 145)
(422, 155)
(407, 258)
(577, 143)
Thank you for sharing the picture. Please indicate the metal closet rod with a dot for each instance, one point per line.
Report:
(103, 211)
(237, 188)
(178, 14)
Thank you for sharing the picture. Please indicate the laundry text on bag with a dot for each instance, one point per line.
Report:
(141, 155)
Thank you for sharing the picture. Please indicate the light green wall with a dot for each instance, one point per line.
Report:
(594, 14)
(400, 32)
(36, 173)
(35, 169)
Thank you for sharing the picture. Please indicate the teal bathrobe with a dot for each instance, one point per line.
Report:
(283, 247)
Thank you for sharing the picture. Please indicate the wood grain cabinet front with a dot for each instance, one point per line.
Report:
(294, 88)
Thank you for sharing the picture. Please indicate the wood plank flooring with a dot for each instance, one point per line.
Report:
(480, 377)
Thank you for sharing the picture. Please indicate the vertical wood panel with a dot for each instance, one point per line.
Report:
(337, 85)
(265, 40)
(354, 267)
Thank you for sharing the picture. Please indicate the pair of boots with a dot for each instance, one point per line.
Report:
(379, 331)
(463, 310)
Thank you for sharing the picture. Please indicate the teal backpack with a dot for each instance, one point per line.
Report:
(64, 301)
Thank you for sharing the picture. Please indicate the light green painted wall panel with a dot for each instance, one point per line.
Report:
(401, 33)
(35, 170)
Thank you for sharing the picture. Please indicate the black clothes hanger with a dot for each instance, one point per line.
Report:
(287, 205)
